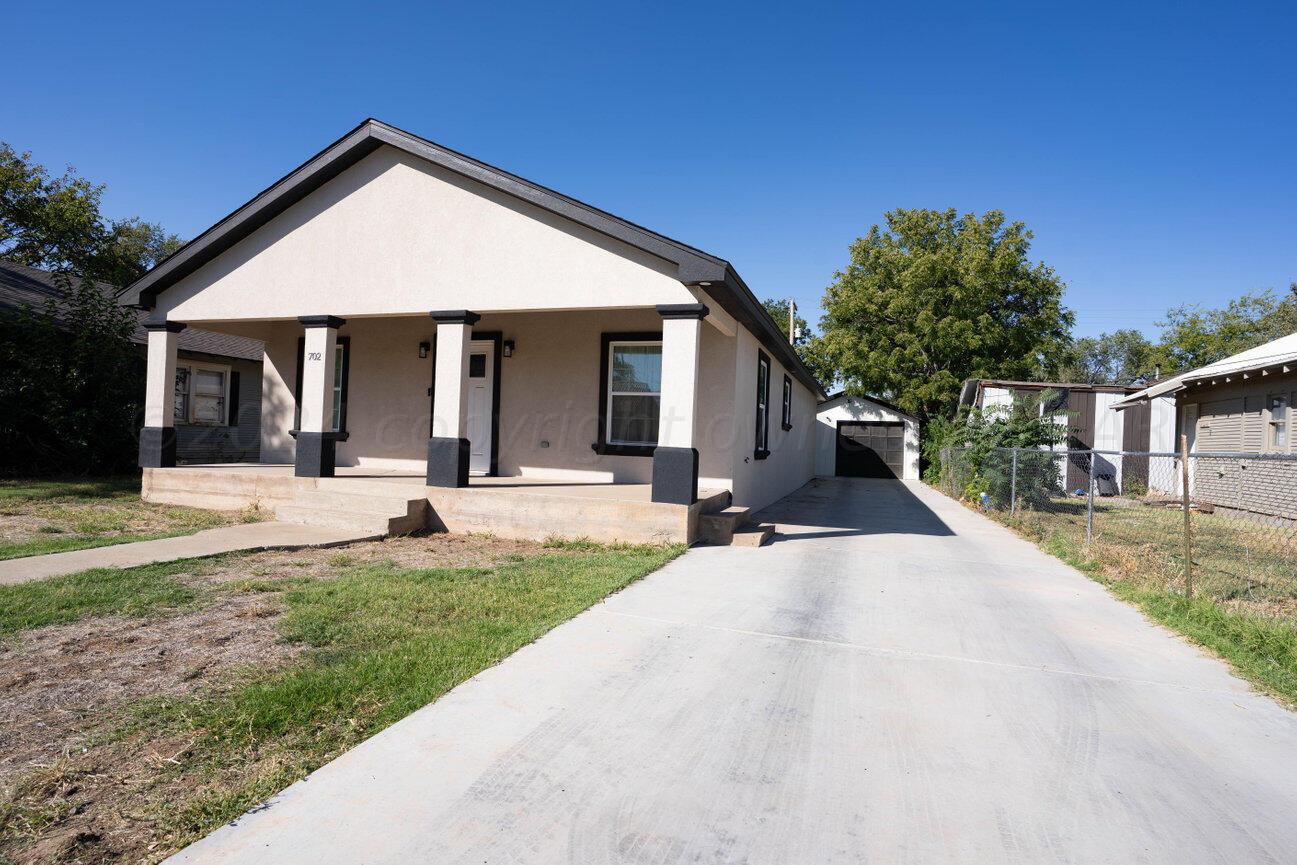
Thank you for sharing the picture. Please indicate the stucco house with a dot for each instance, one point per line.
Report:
(427, 317)
(1242, 404)
(216, 407)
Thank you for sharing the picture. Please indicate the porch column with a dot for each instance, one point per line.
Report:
(315, 433)
(675, 459)
(448, 447)
(158, 437)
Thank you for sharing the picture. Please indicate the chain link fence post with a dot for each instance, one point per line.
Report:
(1089, 504)
(1013, 484)
(1184, 503)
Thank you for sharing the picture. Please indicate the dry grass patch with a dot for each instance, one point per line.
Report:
(53, 516)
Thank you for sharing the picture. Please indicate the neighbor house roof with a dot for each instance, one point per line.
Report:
(21, 285)
(1279, 354)
(694, 267)
(842, 394)
(972, 387)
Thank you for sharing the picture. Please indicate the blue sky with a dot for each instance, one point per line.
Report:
(1151, 147)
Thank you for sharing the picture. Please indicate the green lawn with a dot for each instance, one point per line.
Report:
(378, 641)
(99, 592)
(58, 515)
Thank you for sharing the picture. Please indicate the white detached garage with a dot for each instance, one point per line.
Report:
(865, 437)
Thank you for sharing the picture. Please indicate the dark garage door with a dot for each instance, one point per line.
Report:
(871, 449)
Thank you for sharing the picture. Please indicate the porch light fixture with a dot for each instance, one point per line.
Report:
(507, 348)
(424, 348)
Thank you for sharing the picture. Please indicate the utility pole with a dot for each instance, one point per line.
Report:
(792, 321)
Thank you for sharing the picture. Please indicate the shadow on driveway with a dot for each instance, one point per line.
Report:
(848, 507)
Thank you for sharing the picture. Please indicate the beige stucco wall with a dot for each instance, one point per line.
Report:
(791, 462)
(396, 235)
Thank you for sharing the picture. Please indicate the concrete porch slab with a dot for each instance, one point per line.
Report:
(226, 539)
(534, 508)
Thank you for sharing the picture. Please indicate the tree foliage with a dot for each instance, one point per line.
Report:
(1194, 337)
(936, 298)
(55, 223)
(69, 398)
(1121, 357)
(1191, 337)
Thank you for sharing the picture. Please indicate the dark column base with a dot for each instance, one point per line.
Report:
(157, 447)
(315, 451)
(447, 462)
(675, 475)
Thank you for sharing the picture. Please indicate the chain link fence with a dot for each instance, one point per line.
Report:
(1217, 525)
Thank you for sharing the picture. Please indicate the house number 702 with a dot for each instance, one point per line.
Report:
(315, 355)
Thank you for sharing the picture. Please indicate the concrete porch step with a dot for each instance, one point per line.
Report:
(752, 535)
(386, 515)
(719, 527)
(385, 505)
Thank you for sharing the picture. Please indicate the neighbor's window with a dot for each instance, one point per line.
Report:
(201, 394)
(763, 406)
(1278, 406)
(634, 390)
(787, 422)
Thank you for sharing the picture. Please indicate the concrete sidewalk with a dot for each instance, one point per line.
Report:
(895, 679)
(226, 539)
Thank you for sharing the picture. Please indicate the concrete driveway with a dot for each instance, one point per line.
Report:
(894, 680)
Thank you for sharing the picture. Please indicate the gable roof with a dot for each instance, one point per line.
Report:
(695, 267)
(972, 388)
(1278, 352)
(842, 394)
(21, 285)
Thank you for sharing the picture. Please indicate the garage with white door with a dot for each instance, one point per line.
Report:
(865, 437)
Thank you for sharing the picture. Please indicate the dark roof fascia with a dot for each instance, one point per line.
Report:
(734, 296)
(695, 267)
(833, 397)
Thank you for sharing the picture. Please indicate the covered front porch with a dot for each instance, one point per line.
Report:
(563, 423)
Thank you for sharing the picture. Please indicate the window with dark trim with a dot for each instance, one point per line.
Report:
(762, 449)
(630, 393)
(787, 422)
(341, 369)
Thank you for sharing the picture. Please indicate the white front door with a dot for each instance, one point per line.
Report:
(481, 397)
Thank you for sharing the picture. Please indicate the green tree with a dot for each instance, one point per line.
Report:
(1121, 357)
(1193, 337)
(55, 223)
(933, 299)
(778, 309)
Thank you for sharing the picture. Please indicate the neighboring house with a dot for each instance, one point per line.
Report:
(1092, 424)
(217, 402)
(1242, 404)
(866, 437)
(423, 312)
